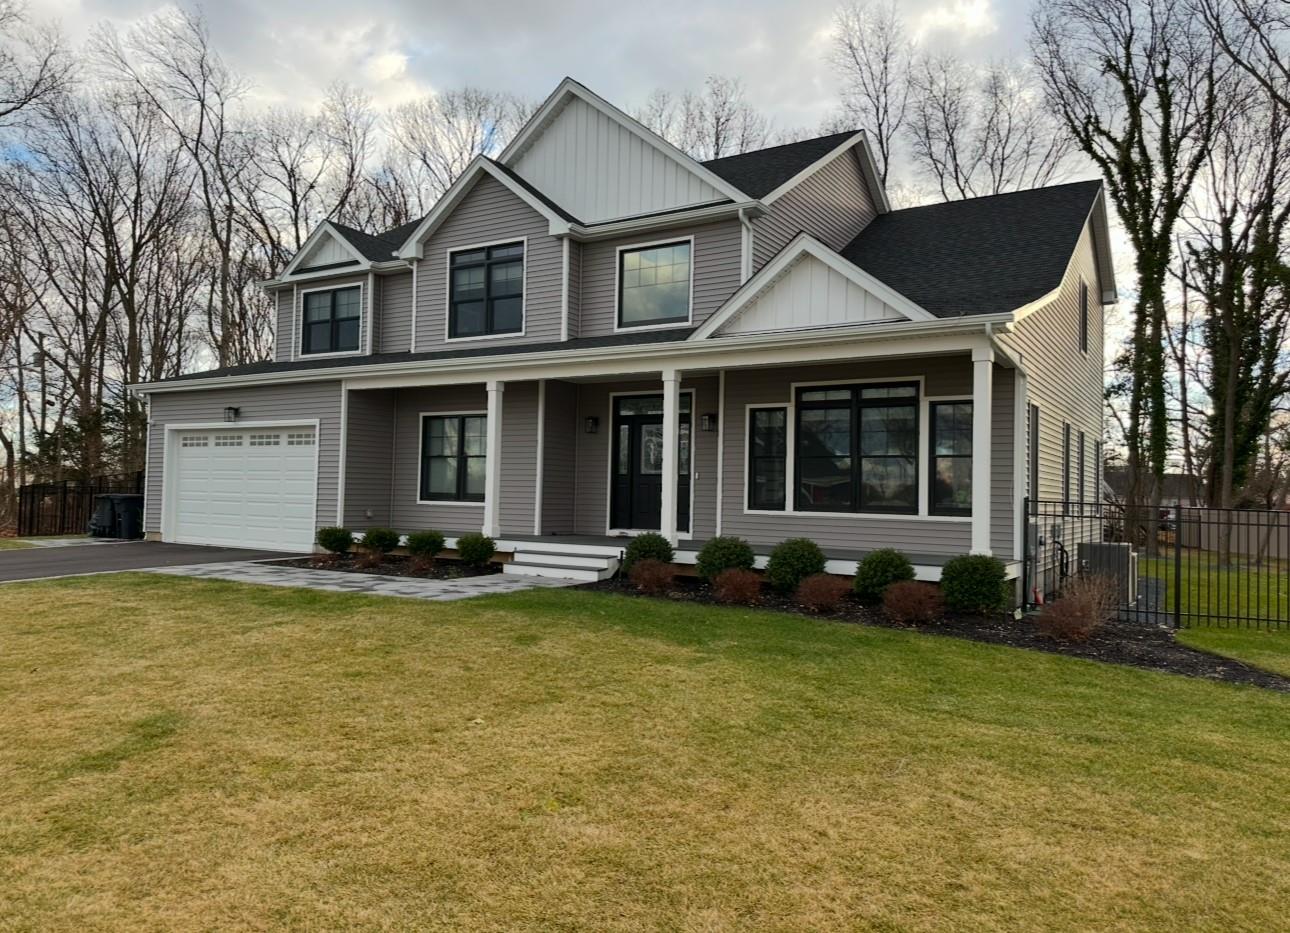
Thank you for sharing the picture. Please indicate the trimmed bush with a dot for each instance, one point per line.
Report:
(1084, 606)
(793, 561)
(738, 587)
(974, 583)
(651, 545)
(907, 601)
(822, 592)
(380, 540)
(425, 544)
(336, 540)
(879, 570)
(724, 553)
(476, 550)
(650, 575)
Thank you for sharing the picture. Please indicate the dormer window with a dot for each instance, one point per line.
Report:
(332, 319)
(654, 285)
(486, 291)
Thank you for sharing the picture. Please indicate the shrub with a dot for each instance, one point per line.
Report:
(475, 550)
(380, 540)
(822, 592)
(1084, 605)
(738, 586)
(425, 544)
(907, 601)
(878, 570)
(651, 576)
(973, 583)
(723, 553)
(651, 545)
(336, 540)
(793, 561)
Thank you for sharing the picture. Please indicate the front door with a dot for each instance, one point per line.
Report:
(637, 493)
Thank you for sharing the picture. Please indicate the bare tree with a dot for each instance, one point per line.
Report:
(871, 55)
(712, 123)
(34, 64)
(1254, 34)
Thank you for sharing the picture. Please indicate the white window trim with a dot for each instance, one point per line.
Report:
(364, 324)
(421, 431)
(619, 328)
(609, 464)
(524, 291)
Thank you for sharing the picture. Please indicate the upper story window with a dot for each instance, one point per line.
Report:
(331, 320)
(486, 291)
(654, 285)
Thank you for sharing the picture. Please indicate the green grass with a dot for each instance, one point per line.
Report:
(14, 544)
(1268, 649)
(198, 754)
(1212, 591)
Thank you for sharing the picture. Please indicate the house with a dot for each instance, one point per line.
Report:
(594, 334)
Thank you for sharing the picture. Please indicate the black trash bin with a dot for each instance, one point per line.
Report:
(117, 515)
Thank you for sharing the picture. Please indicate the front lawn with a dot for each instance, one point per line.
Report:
(1265, 648)
(182, 753)
(14, 544)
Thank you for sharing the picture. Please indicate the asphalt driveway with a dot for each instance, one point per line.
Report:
(38, 563)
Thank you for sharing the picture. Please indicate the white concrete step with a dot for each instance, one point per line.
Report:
(568, 550)
(563, 560)
(587, 575)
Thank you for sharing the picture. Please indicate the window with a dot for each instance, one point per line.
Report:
(1066, 468)
(332, 319)
(654, 285)
(486, 292)
(857, 449)
(265, 440)
(228, 440)
(193, 440)
(1080, 494)
(767, 453)
(1083, 317)
(951, 472)
(1034, 452)
(301, 439)
(453, 453)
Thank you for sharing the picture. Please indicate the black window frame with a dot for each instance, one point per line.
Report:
(1083, 316)
(754, 458)
(423, 478)
(487, 263)
(334, 322)
(1034, 452)
(933, 456)
(855, 404)
(689, 296)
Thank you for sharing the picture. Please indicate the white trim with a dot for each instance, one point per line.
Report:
(801, 246)
(618, 295)
(982, 445)
(609, 462)
(344, 450)
(295, 310)
(650, 223)
(524, 291)
(869, 166)
(1021, 398)
(493, 458)
(416, 264)
(370, 318)
(564, 288)
(147, 459)
(541, 456)
(1041, 302)
(746, 236)
(326, 227)
(721, 447)
(364, 326)
(850, 142)
(421, 432)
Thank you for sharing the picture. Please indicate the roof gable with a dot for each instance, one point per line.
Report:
(326, 248)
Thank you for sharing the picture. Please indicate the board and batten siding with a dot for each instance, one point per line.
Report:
(833, 205)
(715, 261)
(406, 514)
(559, 457)
(304, 401)
(394, 313)
(490, 213)
(369, 446)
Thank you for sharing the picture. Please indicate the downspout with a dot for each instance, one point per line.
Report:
(745, 258)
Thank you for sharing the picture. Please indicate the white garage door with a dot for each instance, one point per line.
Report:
(246, 487)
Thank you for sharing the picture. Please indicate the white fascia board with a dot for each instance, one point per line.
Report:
(326, 229)
(1041, 302)
(682, 217)
(846, 145)
(1102, 249)
(869, 165)
(806, 245)
(571, 88)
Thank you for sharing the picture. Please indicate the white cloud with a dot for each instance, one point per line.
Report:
(965, 19)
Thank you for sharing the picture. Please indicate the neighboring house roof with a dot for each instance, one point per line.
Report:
(1176, 487)
(984, 255)
(378, 247)
(760, 172)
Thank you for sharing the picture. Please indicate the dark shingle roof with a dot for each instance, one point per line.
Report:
(759, 173)
(378, 247)
(980, 256)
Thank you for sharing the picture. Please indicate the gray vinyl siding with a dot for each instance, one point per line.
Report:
(716, 273)
(283, 329)
(575, 287)
(369, 446)
(306, 401)
(406, 514)
(394, 313)
(832, 205)
(559, 458)
(1002, 465)
(490, 213)
(519, 453)
(294, 297)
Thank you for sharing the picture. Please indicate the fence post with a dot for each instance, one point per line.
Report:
(1178, 536)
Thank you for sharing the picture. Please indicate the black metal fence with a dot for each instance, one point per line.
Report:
(65, 508)
(1186, 566)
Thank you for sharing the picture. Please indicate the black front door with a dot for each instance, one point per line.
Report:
(637, 494)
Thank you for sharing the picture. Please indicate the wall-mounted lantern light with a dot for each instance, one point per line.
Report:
(230, 413)
(592, 424)
(708, 422)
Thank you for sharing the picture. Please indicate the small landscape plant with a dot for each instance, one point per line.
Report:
(737, 587)
(793, 561)
(476, 550)
(380, 540)
(878, 570)
(822, 592)
(649, 545)
(723, 553)
(651, 576)
(907, 601)
(974, 583)
(1084, 606)
(425, 545)
(335, 540)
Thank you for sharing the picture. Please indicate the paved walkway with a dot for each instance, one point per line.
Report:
(339, 581)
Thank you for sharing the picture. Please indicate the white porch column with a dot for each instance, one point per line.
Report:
(493, 461)
(982, 407)
(671, 458)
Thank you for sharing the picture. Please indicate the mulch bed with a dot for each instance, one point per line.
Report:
(394, 565)
(1134, 644)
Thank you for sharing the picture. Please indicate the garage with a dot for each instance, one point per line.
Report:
(251, 486)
